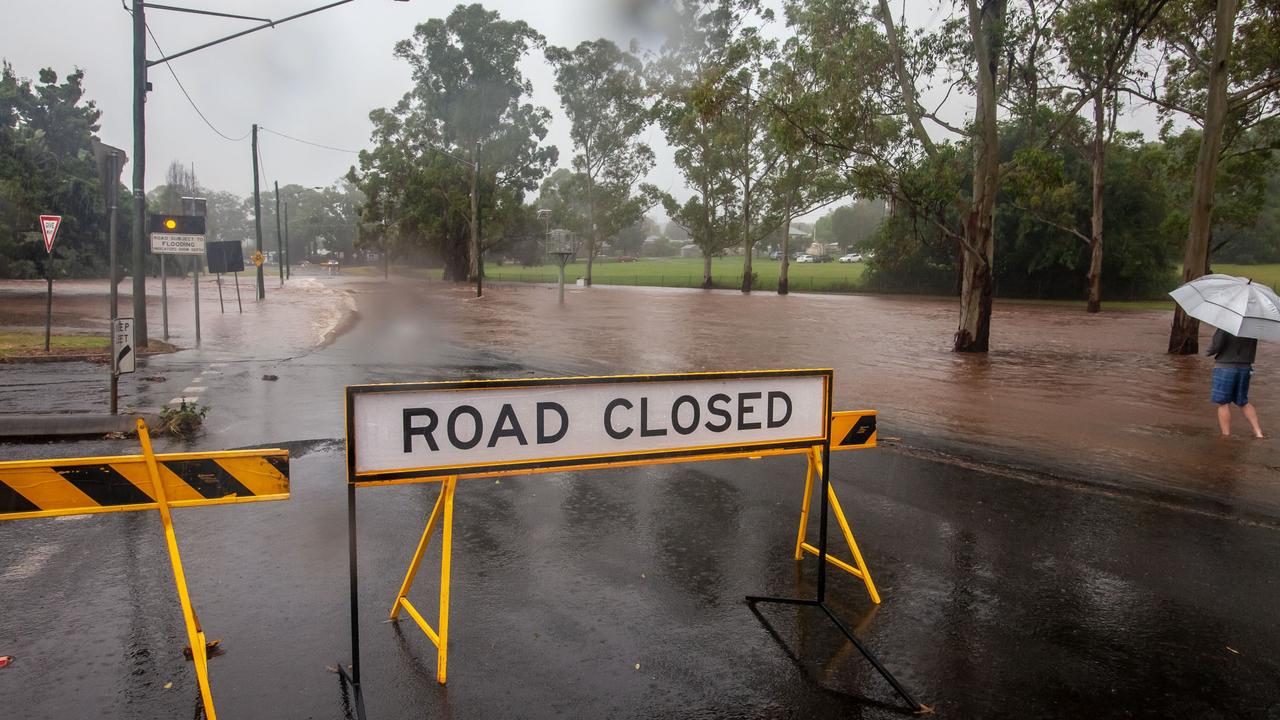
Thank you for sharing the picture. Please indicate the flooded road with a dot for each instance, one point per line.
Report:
(1142, 584)
(1064, 393)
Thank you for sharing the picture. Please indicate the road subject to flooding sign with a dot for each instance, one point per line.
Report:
(433, 429)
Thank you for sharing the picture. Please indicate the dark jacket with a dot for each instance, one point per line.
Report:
(1232, 351)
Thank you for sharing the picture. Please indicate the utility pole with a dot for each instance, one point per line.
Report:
(279, 240)
(112, 193)
(139, 175)
(257, 213)
(286, 240)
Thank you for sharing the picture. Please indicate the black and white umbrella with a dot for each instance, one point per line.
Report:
(1238, 305)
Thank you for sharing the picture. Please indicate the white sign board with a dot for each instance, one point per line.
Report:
(424, 430)
(122, 346)
(177, 244)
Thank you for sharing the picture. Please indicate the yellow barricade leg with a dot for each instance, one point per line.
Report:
(195, 635)
(804, 505)
(443, 507)
(861, 572)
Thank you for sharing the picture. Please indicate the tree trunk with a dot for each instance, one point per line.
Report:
(746, 235)
(473, 253)
(1095, 220)
(591, 226)
(706, 270)
(1184, 335)
(457, 259)
(976, 285)
(785, 260)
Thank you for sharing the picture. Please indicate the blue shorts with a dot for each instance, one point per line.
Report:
(1231, 385)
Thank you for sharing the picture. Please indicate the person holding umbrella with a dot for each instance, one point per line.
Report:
(1232, 368)
(1244, 312)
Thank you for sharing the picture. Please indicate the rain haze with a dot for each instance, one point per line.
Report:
(859, 398)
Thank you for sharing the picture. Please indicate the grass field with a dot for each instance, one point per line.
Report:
(726, 272)
(805, 277)
(32, 343)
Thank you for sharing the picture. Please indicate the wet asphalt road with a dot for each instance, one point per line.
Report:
(1005, 595)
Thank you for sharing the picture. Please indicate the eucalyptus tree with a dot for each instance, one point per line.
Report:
(1088, 49)
(691, 107)
(602, 90)
(1218, 65)
(462, 131)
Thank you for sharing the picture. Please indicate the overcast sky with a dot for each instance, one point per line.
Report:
(315, 78)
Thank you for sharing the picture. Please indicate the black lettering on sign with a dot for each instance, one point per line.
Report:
(557, 408)
(786, 400)
(744, 409)
(425, 431)
(608, 418)
(675, 414)
(477, 427)
(507, 417)
(719, 412)
(645, 430)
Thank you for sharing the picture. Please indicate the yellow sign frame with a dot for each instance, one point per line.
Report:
(153, 482)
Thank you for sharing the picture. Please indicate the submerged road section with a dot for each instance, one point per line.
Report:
(1008, 591)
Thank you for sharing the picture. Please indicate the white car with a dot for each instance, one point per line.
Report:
(851, 258)
(806, 259)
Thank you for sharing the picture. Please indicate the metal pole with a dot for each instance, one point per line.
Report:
(139, 175)
(257, 213)
(562, 283)
(279, 235)
(353, 570)
(476, 243)
(220, 306)
(238, 303)
(164, 297)
(195, 284)
(48, 300)
(112, 193)
(287, 274)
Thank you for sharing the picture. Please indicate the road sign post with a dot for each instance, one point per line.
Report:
(49, 225)
(180, 235)
(446, 431)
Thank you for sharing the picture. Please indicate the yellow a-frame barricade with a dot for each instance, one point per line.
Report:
(76, 486)
(856, 430)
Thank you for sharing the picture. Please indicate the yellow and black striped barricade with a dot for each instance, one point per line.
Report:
(76, 486)
(447, 431)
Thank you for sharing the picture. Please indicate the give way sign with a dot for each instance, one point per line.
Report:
(49, 229)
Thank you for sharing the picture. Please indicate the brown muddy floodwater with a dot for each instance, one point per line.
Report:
(1091, 397)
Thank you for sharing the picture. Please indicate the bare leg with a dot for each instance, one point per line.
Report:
(1224, 419)
(1251, 414)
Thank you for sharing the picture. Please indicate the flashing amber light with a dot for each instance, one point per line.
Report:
(170, 223)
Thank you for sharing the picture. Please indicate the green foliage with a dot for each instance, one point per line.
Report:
(465, 109)
(183, 421)
(851, 226)
(47, 167)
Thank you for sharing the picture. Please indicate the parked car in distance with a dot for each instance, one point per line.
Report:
(775, 255)
(627, 258)
(803, 258)
(851, 258)
(821, 258)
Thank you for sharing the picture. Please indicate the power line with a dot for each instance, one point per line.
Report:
(188, 95)
(308, 142)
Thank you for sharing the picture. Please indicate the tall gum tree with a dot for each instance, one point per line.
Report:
(460, 142)
(602, 90)
(1216, 64)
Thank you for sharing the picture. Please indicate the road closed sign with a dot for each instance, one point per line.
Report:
(415, 431)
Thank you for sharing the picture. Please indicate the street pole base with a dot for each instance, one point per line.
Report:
(916, 707)
(345, 681)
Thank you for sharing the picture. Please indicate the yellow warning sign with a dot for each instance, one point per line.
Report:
(258, 258)
(73, 486)
(853, 429)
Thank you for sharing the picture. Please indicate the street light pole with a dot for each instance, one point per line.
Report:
(139, 172)
(257, 213)
(279, 240)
